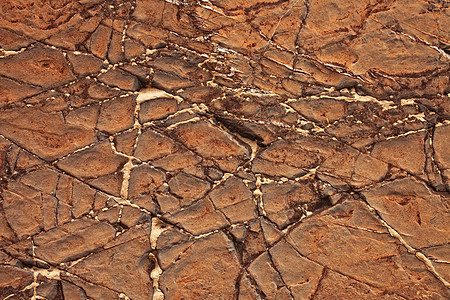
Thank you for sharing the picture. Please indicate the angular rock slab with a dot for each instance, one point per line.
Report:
(333, 237)
(209, 268)
(419, 215)
(39, 66)
(45, 134)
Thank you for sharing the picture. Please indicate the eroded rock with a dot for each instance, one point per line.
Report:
(72, 241)
(224, 149)
(419, 215)
(191, 275)
(39, 66)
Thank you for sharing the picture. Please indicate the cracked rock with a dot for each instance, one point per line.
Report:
(216, 250)
(160, 149)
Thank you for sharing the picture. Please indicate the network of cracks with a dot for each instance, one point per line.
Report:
(224, 149)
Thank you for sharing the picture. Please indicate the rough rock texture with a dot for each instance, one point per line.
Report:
(224, 149)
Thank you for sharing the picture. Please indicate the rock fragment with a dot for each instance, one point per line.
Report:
(214, 250)
(39, 66)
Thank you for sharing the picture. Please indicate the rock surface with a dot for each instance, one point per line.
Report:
(224, 149)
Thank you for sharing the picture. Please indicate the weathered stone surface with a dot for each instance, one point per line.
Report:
(439, 256)
(83, 116)
(191, 274)
(276, 169)
(234, 199)
(73, 36)
(132, 255)
(84, 64)
(11, 41)
(404, 152)
(263, 135)
(5, 147)
(72, 291)
(368, 167)
(442, 152)
(144, 180)
(341, 163)
(116, 115)
(44, 134)
(11, 91)
(266, 276)
(131, 216)
(50, 289)
(7, 236)
(94, 159)
(200, 94)
(42, 179)
(224, 149)
(251, 240)
(301, 275)
(72, 241)
(200, 217)
(419, 215)
(286, 203)
(291, 154)
(386, 262)
(152, 145)
(101, 91)
(188, 187)
(99, 41)
(157, 109)
(23, 209)
(171, 245)
(335, 286)
(321, 110)
(246, 290)
(39, 66)
(169, 82)
(125, 142)
(231, 192)
(209, 141)
(41, 19)
(73, 285)
(120, 79)
(180, 160)
(99, 165)
(13, 279)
